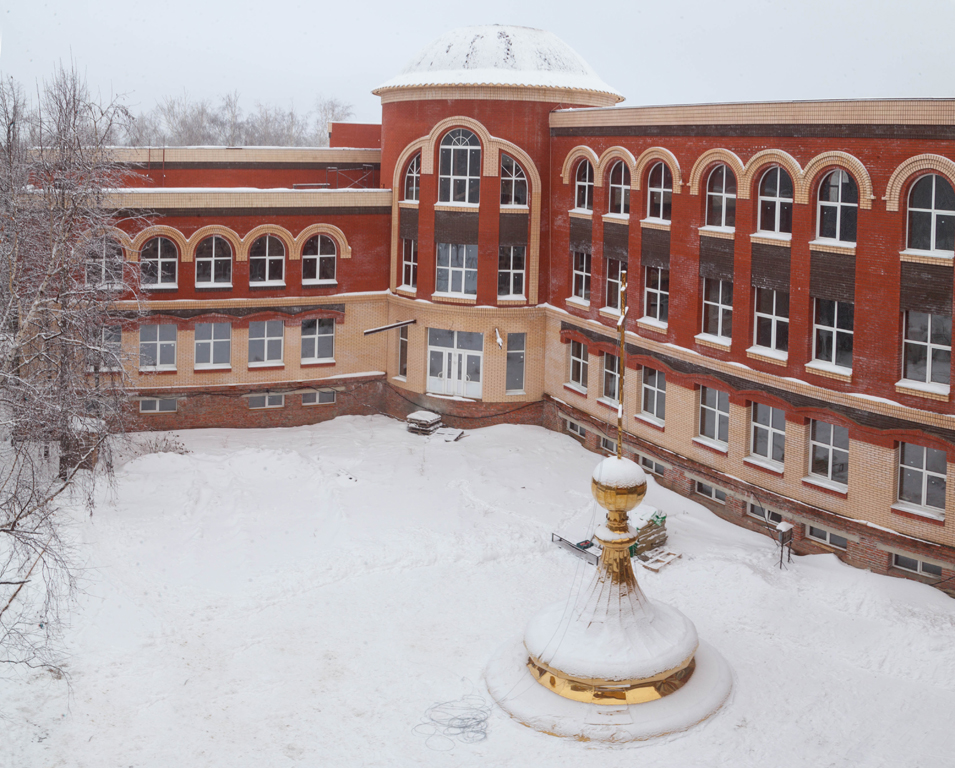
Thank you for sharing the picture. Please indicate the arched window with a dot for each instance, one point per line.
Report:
(459, 174)
(721, 198)
(838, 207)
(267, 261)
(776, 202)
(659, 192)
(513, 182)
(157, 262)
(214, 262)
(105, 265)
(932, 215)
(413, 178)
(585, 186)
(620, 188)
(318, 259)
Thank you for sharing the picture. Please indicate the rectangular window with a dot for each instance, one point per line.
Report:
(772, 319)
(654, 400)
(915, 565)
(922, 476)
(827, 537)
(611, 390)
(457, 269)
(213, 345)
(829, 452)
(575, 429)
(760, 512)
(579, 358)
(108, 354)
(927, 350)
(514, 380)
(769, 433)
(510, 270)
(710, 492)
(715, 415)
(157, 347)
(266, 401)
(718, 307)
(266, 342)
(582, 264)
(652, 466)
(610, 446)
(409, 263)
(403, 351)
(832, 332)
(158, 405)
(657, 294)
(613, 284)
(322, 397)
(318, 340)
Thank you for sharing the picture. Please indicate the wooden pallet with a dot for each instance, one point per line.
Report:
(658, 558)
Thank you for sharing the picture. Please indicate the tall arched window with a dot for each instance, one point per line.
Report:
(721, 198)
(267, 261)
(413, 178)
(776, 201)
(659, 192)
(214, 262)
(459, 173)
(932, 215)
(105, 265)
(620, 188)
(318, 259)
(513, 182)
(585, 186)
(838, 207)
(158, 260)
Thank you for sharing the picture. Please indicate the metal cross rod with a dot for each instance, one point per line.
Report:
(622, 329)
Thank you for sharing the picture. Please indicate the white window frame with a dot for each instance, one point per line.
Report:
(320, 253)
(579, 364)
(582, 264)
(660, 192)
(315, 338)
(773, 320)
(842, 209)
(268, 332)
(778, 200)
(618, 202)
(925, 476)
(935, 213)
(220, 337)
(764, 514)
(611, 378)
(764, 423)
(110, 355)
(937, 354)
(575, 429)
(710, 492)
(835, 333)
(917, 566)
(653, 395)
(403, 352)
(465, 274)
(158, 405)
(650, 465)
(825, 536)
(513, 183)
(584, 187)
(719, 197)
(516, 350)
(266, 402)
(412, 185)
(214, 259)
(615, 269)
(409, 263)
(609, 445)
(831, 450)
(268, 260)
(164, 347)
(722, 307)
(656, 295)
(166, 278)
(454, 187)
(511, 263)
(719, 412)
(321, 397)
(106, 268)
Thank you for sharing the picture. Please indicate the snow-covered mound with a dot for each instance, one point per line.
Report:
(614, 472)
(500, 55)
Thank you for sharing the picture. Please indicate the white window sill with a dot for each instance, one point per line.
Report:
(267, 284)
(268, 364)
(619, 218)
(448, 205)
(770, 355)
(213, 285)
(578, 302)
(614, 404)
(709, 442)
(511, 297)
(830, 244)
(654, 223)
(464, 298)
(651, 322)
(515, 208)
(762, 461)
(825, 482)
(780, 237)
(709, 340)
(514, 393)
(407, 203)
(161, 287)
(576, 388)
(930, 390)
(942, 257)
(408, 291)
(611, 311)
(399, 378)
(317, 360)
(319, 282)
(712, 229)
(649, 418)
(581, 212)
(825, 368)
(916, 509)
(158, 369)
(213, 367)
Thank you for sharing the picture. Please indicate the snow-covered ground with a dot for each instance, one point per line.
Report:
(301, 597)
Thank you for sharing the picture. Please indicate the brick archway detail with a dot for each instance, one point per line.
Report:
(580, 152)
(159, 230)
(607, 160)
(825, 162)
(265, 229)
(397, 186)
(489, 158)
(341, 242)
(653, 155)
(915, 165)
(709, 158)
(759, 162)
(214, 229)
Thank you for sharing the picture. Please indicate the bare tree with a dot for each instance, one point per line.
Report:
(62, 392)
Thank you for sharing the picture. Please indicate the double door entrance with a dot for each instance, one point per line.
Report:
(455, 362)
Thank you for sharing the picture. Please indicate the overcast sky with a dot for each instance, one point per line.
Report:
(289, 51)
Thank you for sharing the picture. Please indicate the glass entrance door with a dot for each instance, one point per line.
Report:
(455, 362)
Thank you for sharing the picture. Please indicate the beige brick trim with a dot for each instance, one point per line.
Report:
(481, 92)
(213, 229)
(845, 250)
(577, 153)
(916, 258)
(159, 230)
(159, 200)
(490, 160)
(397, 184)
(912, 166)
(608, 158)
(156, 156)
(658, 154)
(826, 161)
(717, 234)
(759, 162)
(125, 242)
(266, 229)
(713, 157)
(913, 392)
(341, 242)
(664, 226)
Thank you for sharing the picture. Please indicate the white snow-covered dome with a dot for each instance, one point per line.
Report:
(498, 55)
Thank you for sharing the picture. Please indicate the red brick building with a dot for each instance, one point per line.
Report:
(789, 266)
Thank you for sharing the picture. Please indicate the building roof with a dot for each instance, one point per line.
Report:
(498, 55)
